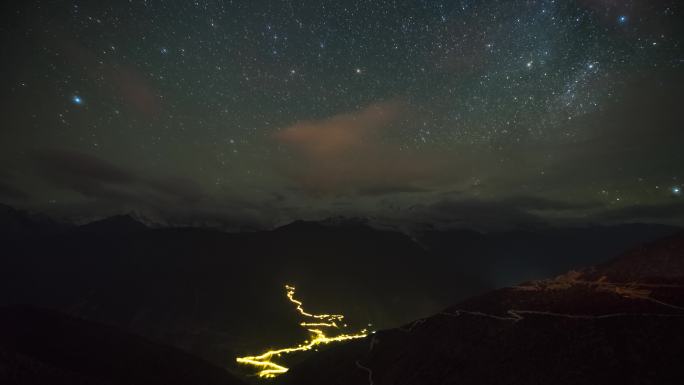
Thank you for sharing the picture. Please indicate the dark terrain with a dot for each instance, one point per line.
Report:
(39, 346)
(617, 323)
(218, 295)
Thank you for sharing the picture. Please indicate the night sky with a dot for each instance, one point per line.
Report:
(254, 113)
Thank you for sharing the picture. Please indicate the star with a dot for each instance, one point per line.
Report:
(483, 81)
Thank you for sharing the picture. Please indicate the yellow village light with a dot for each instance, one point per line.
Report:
(270, 369)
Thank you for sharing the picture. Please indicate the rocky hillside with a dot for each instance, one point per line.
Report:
(45, 347)
(619, 322)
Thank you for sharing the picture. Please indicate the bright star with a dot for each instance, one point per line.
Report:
(77, 100)
(622, 19)
(676, 190)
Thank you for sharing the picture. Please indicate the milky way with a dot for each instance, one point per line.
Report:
(258, 112)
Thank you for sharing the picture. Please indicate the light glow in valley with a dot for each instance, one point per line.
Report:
(269, 369)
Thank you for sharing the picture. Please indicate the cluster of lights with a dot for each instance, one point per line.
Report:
(269, 369)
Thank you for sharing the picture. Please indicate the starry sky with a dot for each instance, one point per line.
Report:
(254, 113)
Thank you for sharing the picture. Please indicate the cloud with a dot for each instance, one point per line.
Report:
(348, 153)
(635, 135)
(98, 179)
(110, 189)
(389, 189)
(341, 133)
(534, 203)
(474, 213)
(516, 212)
(11, 193)
(666, 212)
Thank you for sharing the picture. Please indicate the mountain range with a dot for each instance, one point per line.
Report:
(40, 346)
(616, 323)
(217, 295)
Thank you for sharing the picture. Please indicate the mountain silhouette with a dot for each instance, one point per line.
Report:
(219, 295)
(39, 346)
(661, 261)
(619, 323)
(115, 224)
(20, 224)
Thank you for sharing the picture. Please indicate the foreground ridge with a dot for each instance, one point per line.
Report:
(617, 322)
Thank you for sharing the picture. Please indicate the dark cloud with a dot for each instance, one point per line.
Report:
(639, 135)
(111, 189)
(98, 179)
(498, 214)
(473, 213)
(79, 170)
(12, 194)
(543, 204)
(388, 190)
(668, 212)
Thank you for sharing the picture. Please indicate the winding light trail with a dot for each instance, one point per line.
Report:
(517, 315)
(367, 370)
(270, 369)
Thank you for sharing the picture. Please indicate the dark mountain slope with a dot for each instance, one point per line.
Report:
(506, 258)
(20, 224)
(572, 329)
(113, 225)
(45, 347)
(220, 295)
(665, 262)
